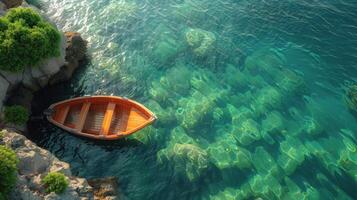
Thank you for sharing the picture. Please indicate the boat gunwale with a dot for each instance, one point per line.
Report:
(152, 118)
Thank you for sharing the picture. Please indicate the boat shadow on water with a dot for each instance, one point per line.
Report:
(37, 125)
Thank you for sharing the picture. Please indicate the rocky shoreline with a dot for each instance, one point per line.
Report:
(35, 162)
(18, 88)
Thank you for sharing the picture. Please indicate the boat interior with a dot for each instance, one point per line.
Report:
(99, 117)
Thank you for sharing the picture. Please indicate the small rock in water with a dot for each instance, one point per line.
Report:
(105, 188)
(351, 98)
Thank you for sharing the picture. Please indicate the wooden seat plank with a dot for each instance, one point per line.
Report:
(124, 117)
(107, 119)
(83, 115)
(63, 114)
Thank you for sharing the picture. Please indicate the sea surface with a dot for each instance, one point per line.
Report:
(250, 96)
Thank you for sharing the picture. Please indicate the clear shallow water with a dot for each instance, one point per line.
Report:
(250, 96)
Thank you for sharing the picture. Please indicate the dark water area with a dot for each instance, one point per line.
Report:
(250, 96)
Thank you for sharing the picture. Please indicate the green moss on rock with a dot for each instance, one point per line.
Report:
(17, 115)
(55, 182)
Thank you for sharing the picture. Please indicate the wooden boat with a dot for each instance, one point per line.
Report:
(100, 117)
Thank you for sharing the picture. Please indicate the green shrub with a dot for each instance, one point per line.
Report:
(16, 114)
(2, 134)
(26, 39)
(8, 169)
(55, 182)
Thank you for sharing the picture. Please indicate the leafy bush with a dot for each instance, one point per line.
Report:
(2, 134)
(55, 182)
(16, 114)
(8, 169)
(26, 39)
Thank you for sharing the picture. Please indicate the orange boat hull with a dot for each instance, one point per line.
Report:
(100, 117)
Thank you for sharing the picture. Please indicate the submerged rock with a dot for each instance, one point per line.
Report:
(293, 153)
(200, 40)
(178, 135)
(312, 126)
(264, 163)
(273, 123)
(264, 61)
(351, 98)
(166, 50)
(266, 99)
(197, 113)
(348, 157)
(265, 186)
(235, 78)
(291, 83)
(187, 159)
(177, 80)
(165, 46)
(247, 132)
(226, 154)
(105, 188)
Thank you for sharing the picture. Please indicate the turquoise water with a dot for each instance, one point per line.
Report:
(249, 95)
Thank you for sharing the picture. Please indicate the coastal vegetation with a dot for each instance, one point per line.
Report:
(2, 135)
(16, 114)
(8, 170)
(26, 39)
(55, 182)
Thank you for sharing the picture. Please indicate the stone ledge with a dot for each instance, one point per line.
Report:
(35, 163)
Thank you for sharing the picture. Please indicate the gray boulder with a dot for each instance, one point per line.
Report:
(76, 48)
(2, 8)
(34, 164)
